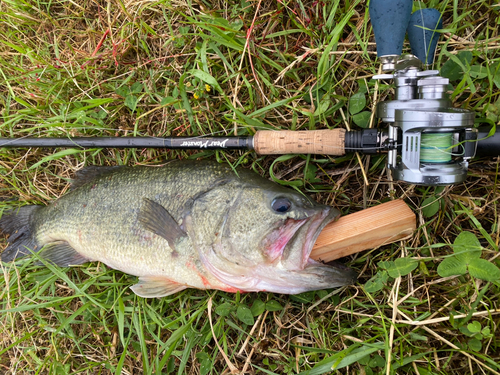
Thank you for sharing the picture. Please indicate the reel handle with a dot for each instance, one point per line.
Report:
(390, 19)
(422, 33)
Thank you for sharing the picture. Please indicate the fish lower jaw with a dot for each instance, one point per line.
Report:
(312, 229)
(317, 225)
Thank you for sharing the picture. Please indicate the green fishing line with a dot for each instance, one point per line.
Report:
(435, 147)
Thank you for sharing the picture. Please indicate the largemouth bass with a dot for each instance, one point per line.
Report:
(184, 225)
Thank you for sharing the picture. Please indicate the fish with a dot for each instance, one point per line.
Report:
(186, 224)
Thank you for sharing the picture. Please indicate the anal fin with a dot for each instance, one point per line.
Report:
(156, 286)
(62, 254)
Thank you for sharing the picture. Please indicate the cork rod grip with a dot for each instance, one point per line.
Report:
(324, 142)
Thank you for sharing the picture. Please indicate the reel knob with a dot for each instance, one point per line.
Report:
(422, 33)
(389, 19)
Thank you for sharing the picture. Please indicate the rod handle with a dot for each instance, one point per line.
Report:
(324, 142)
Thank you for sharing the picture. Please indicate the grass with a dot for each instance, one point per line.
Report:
(117, 68)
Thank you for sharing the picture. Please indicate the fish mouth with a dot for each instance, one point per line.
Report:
(299, 246)
(288, 268)
(304, 273)
(317, 224)
(275, 243)
(282, 243)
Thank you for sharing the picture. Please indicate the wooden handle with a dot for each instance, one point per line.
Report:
(367, 229)
(280, 142)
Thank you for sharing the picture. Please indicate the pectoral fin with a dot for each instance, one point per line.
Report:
(155, 218)
(156, 286)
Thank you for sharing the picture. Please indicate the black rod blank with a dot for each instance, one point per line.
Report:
(210, 143)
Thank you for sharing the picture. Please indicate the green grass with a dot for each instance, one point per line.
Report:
(140, 68)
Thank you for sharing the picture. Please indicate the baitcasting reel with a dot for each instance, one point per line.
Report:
(428, 141)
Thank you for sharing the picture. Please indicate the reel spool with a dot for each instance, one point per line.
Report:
(434, 148)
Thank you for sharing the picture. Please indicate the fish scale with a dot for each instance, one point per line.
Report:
(107, 229)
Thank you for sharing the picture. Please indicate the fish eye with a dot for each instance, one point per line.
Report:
(281, 205)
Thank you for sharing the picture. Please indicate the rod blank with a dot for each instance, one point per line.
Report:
(210, 143)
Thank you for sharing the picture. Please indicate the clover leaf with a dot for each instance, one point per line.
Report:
(467, 257)
(393, 269)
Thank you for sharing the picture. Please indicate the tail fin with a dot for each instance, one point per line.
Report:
(17, 224)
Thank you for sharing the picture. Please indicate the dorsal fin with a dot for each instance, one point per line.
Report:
(87, 174)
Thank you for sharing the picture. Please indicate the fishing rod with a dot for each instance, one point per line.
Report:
(427, 141)
(426, 157)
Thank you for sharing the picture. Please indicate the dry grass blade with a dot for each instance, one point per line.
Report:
(232, 368)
